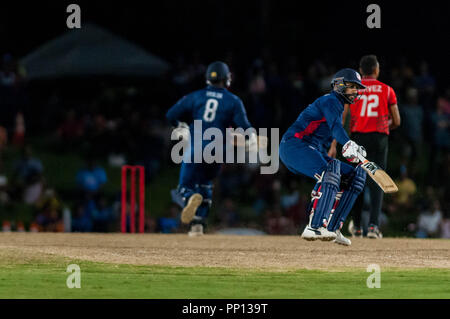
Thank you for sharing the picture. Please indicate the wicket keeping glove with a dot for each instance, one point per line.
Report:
(182, 130)
(350, 151)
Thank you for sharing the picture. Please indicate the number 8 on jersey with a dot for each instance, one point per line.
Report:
(210, 110)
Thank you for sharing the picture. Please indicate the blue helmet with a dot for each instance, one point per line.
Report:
(218, 71)
(340, 80)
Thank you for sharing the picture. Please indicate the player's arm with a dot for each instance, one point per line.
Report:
(179, 109)
(240, 115)
(175, 113)
(395, 120)
(332, 151)
(334, 120)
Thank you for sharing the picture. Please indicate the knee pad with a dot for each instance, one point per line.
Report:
(332, 174)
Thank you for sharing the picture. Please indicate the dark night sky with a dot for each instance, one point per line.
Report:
(325, 29)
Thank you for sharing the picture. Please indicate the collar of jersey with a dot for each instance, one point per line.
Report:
(210, 87)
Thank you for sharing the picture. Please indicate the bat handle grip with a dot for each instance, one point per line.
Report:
(362, 158)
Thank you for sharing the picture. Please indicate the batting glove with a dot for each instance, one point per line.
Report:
(182, 130)
(350, 151)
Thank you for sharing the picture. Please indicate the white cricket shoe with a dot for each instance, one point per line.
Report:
(190, 209)
(340, 239)
(318, 233)
(196, 230)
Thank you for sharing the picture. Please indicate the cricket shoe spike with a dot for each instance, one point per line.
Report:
(341, 240)
(196, 230)
(190, 209)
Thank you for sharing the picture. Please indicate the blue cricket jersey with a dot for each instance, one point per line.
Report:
(215, 107)
(320, 122)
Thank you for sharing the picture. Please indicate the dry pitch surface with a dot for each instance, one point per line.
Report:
(275, 253)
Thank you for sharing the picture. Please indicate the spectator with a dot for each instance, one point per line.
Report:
(429, 221)
(91, 179)
(102, 215)
(71, 130)
(28, 181)
(11, 93)
(171, 224)
(441, 135)
(441, 122)
(257, 90)
(19, 130)
(277, 224)
(445, 226)
(412, 115)
(4, 192)
(294, 204)
(82, 217)
(228, 215)
(49, 212)
(406, 188)
(425, 83)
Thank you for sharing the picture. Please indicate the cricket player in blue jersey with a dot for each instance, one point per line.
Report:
(303, 150)
(216, 107)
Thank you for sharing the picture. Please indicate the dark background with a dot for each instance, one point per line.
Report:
(330, 30)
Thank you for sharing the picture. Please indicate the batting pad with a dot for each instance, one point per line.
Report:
(326, 195)
(348, 199)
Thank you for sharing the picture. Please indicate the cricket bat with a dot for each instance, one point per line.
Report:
(378, 175)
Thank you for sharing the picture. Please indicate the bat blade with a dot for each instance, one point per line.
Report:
(384, 181)
(380, 177)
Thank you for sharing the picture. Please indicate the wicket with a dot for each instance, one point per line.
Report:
(133, 169)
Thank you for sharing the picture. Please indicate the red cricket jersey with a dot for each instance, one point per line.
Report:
(371, 112)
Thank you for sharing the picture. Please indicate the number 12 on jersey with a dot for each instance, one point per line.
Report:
(210, 110)
(369, 103)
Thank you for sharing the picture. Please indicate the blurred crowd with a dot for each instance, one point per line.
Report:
(117, 124)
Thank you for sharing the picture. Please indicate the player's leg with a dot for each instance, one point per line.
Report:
(357, 230)
(353, 180)
(186, 195)
(376, 194)
(206, 176)
(325, 195)
(198, 222)
(302, 158)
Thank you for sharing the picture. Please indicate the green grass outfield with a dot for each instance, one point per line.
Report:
(47, 279)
